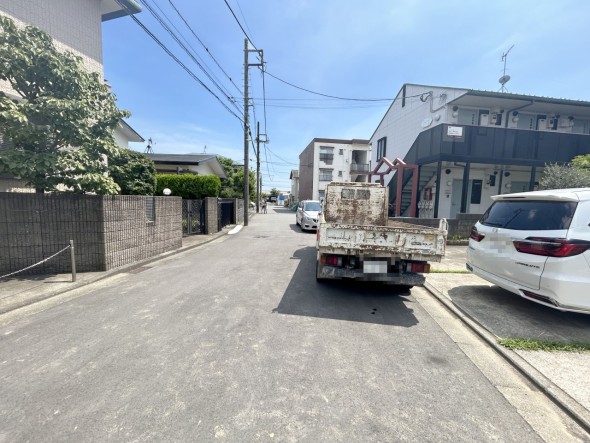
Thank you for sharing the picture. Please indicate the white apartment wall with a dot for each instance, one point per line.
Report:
(75, 25)
(402, 125)
(341, 163)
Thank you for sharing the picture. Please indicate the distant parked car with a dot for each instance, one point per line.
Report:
(536, 245)
(307, 214)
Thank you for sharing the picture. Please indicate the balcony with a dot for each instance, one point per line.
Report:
(359, 168)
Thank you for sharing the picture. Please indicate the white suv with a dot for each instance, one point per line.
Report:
(536, 245)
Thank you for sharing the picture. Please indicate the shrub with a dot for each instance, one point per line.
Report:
(189, 186)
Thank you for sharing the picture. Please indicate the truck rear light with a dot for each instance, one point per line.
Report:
(333, 260)
(475, 235)
(421, 267)
(551, 247)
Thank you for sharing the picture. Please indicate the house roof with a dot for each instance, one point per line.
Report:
(507, 100)
(189, 160)
(111, 9)
(129, 132)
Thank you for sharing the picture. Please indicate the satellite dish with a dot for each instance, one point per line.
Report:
(504, 79)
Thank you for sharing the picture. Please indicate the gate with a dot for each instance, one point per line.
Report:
(193, 217)
(225, 212)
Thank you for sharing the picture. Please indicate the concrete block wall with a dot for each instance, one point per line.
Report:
(35, 226)
(108, 231)
(129, 236)
(211, 222)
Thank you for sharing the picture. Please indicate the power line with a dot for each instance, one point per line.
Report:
(240, 25)
(189, 53)
(203, 45)
(176, 59)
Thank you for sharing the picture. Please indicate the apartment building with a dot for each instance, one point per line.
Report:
(325, 160)
(472, 144)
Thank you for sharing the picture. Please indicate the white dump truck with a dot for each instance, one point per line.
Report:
(357, 240)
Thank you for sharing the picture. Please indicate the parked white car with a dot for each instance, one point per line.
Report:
(536, 245)
(307, 214)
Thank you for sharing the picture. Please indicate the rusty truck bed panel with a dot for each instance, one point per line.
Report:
(405, 240)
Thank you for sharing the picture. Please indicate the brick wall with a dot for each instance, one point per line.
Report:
(108, 231)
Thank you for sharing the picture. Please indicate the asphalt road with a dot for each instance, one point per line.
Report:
(235, 341)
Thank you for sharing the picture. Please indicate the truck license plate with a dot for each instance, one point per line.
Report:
(375, 267)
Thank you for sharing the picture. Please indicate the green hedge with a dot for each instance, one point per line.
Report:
(189, 186)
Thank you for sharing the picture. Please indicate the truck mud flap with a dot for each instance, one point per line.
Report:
(406, 279)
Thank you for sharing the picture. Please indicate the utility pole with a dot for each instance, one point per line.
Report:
(258, 181)
(247, 127)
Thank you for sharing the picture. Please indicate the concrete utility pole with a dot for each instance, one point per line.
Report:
(247, 127)
(258, 181)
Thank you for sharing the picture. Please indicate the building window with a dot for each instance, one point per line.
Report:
(381, 147)
(325, 175)
(341, 151)
(339, 173)
(326, 154)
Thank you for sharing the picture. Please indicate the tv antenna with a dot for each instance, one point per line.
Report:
(505, 78)
(148, 148)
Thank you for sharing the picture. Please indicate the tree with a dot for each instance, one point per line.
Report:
(274, 192)
(134, 172)
(557, 176)
(233, 186)
(58, 127)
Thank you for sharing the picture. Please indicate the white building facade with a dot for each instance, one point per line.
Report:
(325, 160)
(471, 144)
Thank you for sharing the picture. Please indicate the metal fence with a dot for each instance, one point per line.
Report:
(193, 217)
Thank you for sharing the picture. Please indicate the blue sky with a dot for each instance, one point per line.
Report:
(344, 48)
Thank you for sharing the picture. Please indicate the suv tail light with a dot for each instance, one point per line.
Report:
(475, 235)
(551, 247)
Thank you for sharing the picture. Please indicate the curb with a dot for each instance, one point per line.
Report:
(560, 398)
(105, 274)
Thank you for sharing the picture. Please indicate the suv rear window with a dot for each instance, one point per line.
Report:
(530, 215)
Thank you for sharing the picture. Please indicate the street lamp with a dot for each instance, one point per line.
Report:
(166, 191)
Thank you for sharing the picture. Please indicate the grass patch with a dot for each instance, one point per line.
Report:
(526, 344)
(449, 271)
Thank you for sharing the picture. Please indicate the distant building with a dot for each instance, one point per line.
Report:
(472, 144)
(201, 164)
(294, 177)
(325, 160)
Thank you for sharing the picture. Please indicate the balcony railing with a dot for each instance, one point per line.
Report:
(326, 157)
(359, 168)
(325, 177)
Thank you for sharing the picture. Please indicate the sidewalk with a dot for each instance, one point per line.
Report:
(23, 290)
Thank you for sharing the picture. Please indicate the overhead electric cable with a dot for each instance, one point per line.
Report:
(189, 53)
(240, 25)
(176, 59)
(204, 46)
